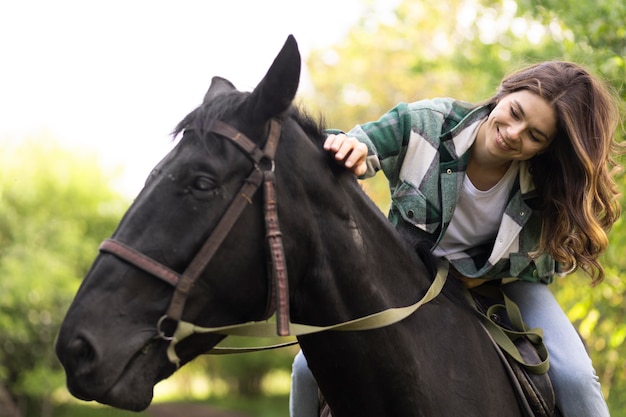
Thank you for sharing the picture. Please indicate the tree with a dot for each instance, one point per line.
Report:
(462, 48)
(597, 32)
(245, 372)
(55, 208)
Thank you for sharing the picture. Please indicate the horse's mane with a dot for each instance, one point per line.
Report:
(313, 127)
(315, 130)
(218, 108)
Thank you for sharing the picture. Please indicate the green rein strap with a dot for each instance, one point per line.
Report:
(504, 337)
(268, 329)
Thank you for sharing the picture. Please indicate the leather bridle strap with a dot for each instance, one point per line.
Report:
(140, 261)
(277, 260)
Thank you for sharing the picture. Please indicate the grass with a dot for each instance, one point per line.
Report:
(84, 410)
(268, 406)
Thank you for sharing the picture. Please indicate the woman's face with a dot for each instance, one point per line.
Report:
(521, 125)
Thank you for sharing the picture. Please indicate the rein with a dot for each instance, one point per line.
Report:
(278, 293)
(265, 329)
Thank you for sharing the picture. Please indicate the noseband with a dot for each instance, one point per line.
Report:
(263, 172)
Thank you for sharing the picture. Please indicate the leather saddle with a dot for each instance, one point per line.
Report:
(534, 388)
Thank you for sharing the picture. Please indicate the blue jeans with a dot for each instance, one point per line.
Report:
(576, 386)
(575, 383)
(303, 398)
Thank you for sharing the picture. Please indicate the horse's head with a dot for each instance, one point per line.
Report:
(109, 343)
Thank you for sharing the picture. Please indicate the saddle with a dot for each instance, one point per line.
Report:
(523, 354)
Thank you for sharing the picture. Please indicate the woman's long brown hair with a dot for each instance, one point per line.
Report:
(575, 175)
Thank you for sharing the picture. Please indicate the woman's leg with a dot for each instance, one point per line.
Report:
(303, 398)
(576, 386)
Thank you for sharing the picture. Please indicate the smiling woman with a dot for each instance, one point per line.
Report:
(517, 190)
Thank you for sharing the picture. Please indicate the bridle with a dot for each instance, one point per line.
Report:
(172, 328)
(263, 172)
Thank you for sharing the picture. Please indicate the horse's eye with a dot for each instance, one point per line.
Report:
(203, 184)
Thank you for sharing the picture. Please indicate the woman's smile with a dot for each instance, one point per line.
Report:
(501, 142)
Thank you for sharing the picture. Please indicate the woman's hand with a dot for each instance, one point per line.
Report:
(348, 151)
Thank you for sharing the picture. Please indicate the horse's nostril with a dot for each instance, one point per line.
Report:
(82, 350)
(80, 355)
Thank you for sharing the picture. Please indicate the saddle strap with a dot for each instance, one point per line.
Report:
(506, 337)
(535, 401)
(521, 349)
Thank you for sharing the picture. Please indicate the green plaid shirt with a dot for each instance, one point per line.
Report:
(423, 150)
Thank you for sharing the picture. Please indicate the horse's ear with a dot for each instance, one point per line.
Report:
(278, 88)
(218, 86)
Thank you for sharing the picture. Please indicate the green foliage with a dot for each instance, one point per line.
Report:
(268, 406)
(84, 410)
(458, 48)
(244, 373)
(600, 315)
(55, 208)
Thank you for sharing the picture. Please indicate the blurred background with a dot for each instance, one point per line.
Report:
(89, 92)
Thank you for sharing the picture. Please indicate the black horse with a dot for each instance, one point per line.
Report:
(344, 260)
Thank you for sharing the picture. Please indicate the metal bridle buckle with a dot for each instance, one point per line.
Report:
(162, 333)
(266, 164)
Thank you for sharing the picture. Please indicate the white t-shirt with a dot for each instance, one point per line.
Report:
(477, 216)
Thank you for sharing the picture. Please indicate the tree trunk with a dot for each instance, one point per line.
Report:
(8, 408)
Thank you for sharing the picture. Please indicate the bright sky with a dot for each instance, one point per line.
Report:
(115, 76)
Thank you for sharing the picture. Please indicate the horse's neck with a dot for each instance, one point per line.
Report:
(358, 264)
